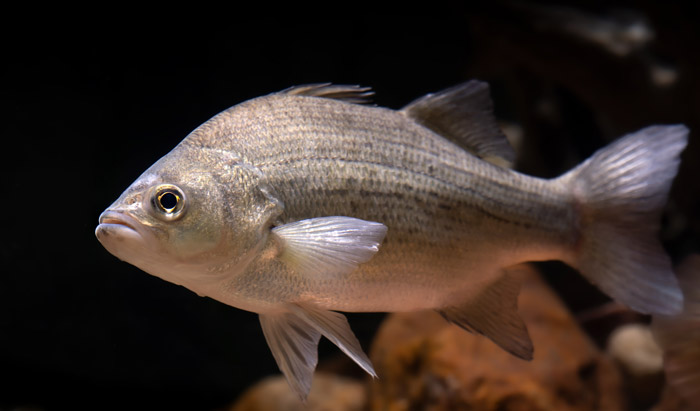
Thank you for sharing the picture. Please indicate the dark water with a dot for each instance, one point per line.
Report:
(85, 113)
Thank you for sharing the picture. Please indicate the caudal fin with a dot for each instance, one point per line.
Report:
(620, 192)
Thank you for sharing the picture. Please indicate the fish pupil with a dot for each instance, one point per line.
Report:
(168, 201)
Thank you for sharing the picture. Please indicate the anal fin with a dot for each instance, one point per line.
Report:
(493, 313)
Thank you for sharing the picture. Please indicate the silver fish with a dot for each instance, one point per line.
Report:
(305, 202)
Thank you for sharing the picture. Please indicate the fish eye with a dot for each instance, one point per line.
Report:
(169, 201)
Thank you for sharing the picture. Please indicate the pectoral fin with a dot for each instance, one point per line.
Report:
(329, 245)
(293, 335)
(494, 314)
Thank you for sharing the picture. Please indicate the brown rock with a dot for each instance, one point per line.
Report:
(672, 401)
(640, 359)
(328, 393)
(425, 363)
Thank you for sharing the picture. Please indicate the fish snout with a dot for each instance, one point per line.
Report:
(115, 225)
(118, 218)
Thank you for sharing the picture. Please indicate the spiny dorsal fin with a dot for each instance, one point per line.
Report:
(347, 93)
(494, 314)
(463, 114)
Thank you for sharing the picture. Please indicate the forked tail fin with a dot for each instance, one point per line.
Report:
(620, 192)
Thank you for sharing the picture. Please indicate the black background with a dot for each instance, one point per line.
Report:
(86, 108)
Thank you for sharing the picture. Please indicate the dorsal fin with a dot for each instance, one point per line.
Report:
(347, 93)
(463, 114)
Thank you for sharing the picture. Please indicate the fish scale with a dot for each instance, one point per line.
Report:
(430, 163)
(303, 203)
(440, 160)
(317, 159)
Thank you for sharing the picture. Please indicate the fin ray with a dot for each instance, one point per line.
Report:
(464, 115)
(294, 347)
(329, 245)
(493, 313)
(348, 93)
(621, 191)
(293, 335)
(335, 327)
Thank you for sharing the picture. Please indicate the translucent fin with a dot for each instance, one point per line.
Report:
(620, 192)
(294, 345)
(293, 336)
(679, 336)
(464, 115)
(494, 313)
(335, 327)
(349, 94)
(329, 245)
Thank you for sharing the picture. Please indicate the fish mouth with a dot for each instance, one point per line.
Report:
(118, 219)
(115, 225)
(125, 237)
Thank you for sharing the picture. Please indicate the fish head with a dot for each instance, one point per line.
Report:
(189, 220)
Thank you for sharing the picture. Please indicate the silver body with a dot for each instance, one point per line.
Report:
(454, 220)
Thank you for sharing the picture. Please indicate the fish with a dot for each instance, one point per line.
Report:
(305, 203)
(679, 336)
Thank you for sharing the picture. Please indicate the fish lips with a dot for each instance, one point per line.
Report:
(122, 235)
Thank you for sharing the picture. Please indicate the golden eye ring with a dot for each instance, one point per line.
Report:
(169, 202)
